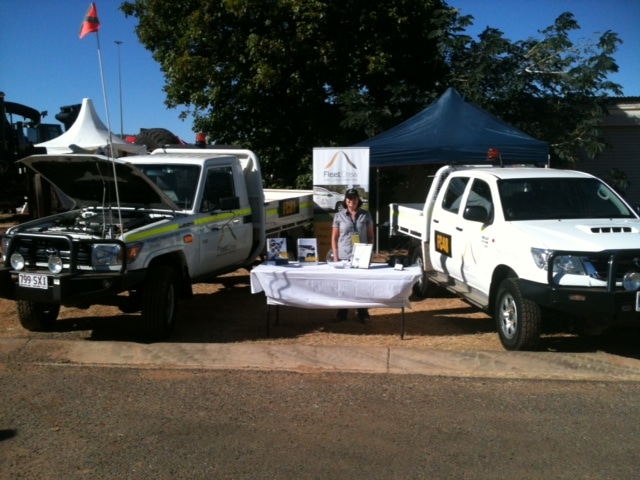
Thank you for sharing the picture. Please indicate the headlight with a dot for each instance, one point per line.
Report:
(540, 257)
(631, 281)
(563, 264)
(569, 265)
(106, 254)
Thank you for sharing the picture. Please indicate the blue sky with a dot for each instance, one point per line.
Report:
(45, 65)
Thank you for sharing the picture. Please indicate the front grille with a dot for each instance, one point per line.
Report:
(36, 250)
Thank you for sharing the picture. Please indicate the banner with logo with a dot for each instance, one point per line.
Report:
(334, 171)
(347, 167)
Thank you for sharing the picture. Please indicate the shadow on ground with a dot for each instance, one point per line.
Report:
(227, 312)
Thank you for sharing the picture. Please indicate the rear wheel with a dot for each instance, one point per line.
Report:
(518, 320)
(159, 303)
(37, 316)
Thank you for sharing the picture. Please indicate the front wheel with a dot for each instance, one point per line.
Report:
(421, 287)
(37, 316)
(159, 303)
(518, 320)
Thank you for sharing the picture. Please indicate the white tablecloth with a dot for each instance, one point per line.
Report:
(323, 286)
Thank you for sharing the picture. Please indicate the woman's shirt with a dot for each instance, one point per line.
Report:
(348, 228)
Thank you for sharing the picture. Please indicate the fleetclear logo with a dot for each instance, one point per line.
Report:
(341, 167)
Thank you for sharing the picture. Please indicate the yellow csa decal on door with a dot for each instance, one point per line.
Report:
(443, 243)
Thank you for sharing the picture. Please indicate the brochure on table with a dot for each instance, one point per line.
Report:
(308, 251)
(361, 255)
(277, 251)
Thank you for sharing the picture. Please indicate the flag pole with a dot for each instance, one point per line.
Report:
(92, 24)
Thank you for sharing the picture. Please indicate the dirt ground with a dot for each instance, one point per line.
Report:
(225, 311)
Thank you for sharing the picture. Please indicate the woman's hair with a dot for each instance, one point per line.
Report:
(344, 202)
(352, 192)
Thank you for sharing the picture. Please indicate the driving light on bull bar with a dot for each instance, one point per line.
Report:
(17, 261)
(631, 281)
(106, 254)
(54, 264)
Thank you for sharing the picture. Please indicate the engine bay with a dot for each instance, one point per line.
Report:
(93, 223)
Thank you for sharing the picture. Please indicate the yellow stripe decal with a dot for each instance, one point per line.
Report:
(222, 216)
(200, 221)
(151, 233)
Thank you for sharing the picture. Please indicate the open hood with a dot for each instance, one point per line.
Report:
(88, 180)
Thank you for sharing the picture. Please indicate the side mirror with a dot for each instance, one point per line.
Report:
(476, 213)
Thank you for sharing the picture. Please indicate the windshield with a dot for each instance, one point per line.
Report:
(559, 198)
(178, 182)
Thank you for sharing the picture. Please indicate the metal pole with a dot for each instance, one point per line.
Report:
(119, 42)
(378, 210)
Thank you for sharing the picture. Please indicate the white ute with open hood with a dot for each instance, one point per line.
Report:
(149, 225)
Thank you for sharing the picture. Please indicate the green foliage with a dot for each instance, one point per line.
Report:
(284, 76)
(549, 87)
(618, 180)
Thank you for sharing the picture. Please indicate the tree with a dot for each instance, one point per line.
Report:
(549, 87)
(284, 76)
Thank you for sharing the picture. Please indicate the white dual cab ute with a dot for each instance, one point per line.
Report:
(525, 244)
(149, 225)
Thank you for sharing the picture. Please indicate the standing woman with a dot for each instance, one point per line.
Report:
(351, 225)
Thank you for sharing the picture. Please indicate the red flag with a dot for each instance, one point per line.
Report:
(91, 23)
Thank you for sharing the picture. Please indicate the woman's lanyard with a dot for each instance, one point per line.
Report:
(354, 223)
(355, 234)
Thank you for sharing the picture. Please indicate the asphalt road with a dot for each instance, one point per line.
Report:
(110, 410)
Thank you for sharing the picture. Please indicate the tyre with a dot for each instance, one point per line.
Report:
(518, 320)
(37, 316)
(421, 287)
(154, 138)
(159, 303)
(131, 303)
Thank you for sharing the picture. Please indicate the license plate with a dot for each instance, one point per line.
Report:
(33, 281)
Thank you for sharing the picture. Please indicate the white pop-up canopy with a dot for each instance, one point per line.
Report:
(89, 134)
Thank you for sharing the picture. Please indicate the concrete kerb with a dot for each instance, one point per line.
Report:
(303, 358)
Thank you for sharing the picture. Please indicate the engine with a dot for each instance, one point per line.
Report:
(91, 223)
